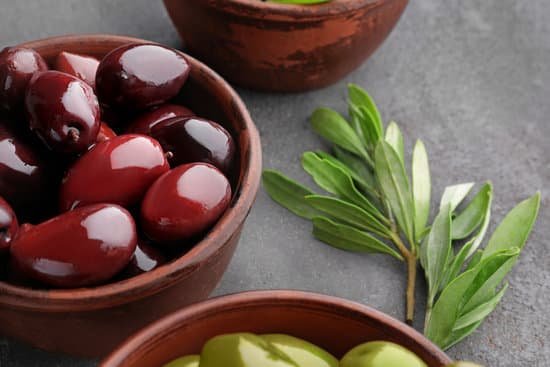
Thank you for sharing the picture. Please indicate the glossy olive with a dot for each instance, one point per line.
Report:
(118, 171)
(144, 259)
(147, 120)
(243, 350)
(82, 247)
(24, 176)
(381, 354)
(195, 140)
(81, 66)
(63, 111)
(302, 352)
(105, 133)
(137, 76)
(17, 66)
(187, 361)
(184, 202)
(8, 225)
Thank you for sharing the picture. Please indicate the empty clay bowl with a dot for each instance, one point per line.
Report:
(332, 323)
(281, 47)
(92, 321)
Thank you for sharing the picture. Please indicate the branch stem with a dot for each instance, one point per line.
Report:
(411, 282)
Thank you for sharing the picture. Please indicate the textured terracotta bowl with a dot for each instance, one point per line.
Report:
(332, 323)
(285, 48)
(92, 321)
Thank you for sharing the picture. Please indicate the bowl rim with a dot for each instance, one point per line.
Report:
(154, 332)
(143, 285)
(297, 12)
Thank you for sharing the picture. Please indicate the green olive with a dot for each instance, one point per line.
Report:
(187, 361)
(303, 353)
(242, 350)
(463, 364)
(381, 354)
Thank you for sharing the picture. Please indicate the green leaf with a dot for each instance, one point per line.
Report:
(357, 178)
(395, 185)
(437, 250)
(515, 227)
(476, 240)
(458, 335)
(288, 193)
(455, 194)
(348, 213)
(421, 184)
(450, 304)
(395, 139)
(476, 258)
(472, 217)
(347, 238)
(356, 165)
(359, 97)
(455, 265)
(333, 127)
(334, 180)
(365, 125)
(480, 312)
(489, 278)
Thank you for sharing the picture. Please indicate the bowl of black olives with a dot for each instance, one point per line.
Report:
(127, 170)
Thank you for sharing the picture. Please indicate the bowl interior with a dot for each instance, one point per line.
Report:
(209, 96)
(332, 323)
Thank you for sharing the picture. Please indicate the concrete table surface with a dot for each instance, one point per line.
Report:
(471, 78)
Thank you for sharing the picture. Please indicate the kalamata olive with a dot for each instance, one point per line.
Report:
(381, 354)
(17, 66)
(79, 248)
(63, 111)
(105, 133)
(81, 66)
(144, 259)
(187, 361)
(145, 122)
(137, 76)
(24, 176)
(195, 140)
(243, 350)
(118, 171)
(184, 202)
(8, 225)
(300, 351)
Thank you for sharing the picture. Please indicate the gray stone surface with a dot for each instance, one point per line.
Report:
(471, 77)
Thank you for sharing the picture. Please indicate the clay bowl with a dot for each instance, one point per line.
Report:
(92, 321)
(285, 48)
(332, 323)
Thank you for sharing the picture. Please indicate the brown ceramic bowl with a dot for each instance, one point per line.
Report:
(332, 323)
(92, 321)
(284, 48)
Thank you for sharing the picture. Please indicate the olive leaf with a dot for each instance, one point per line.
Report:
(349, 238)
(455, 194)
(348, 213)
(334, 180)
(333, 127)
(364, 123)
(395, 186)
(472, 216)
(436, 251)
(360, 98)
(480, 312)
(360, 180)
(515, 227)
(356, 165)
(288, 193)
(450, 305)
(421, 184)
(395, 139)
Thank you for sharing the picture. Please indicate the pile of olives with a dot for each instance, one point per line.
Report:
(279, 350)
(106, 174)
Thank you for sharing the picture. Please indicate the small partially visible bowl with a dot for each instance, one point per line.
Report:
(92, 321)
(284, 47)
(332, 323)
